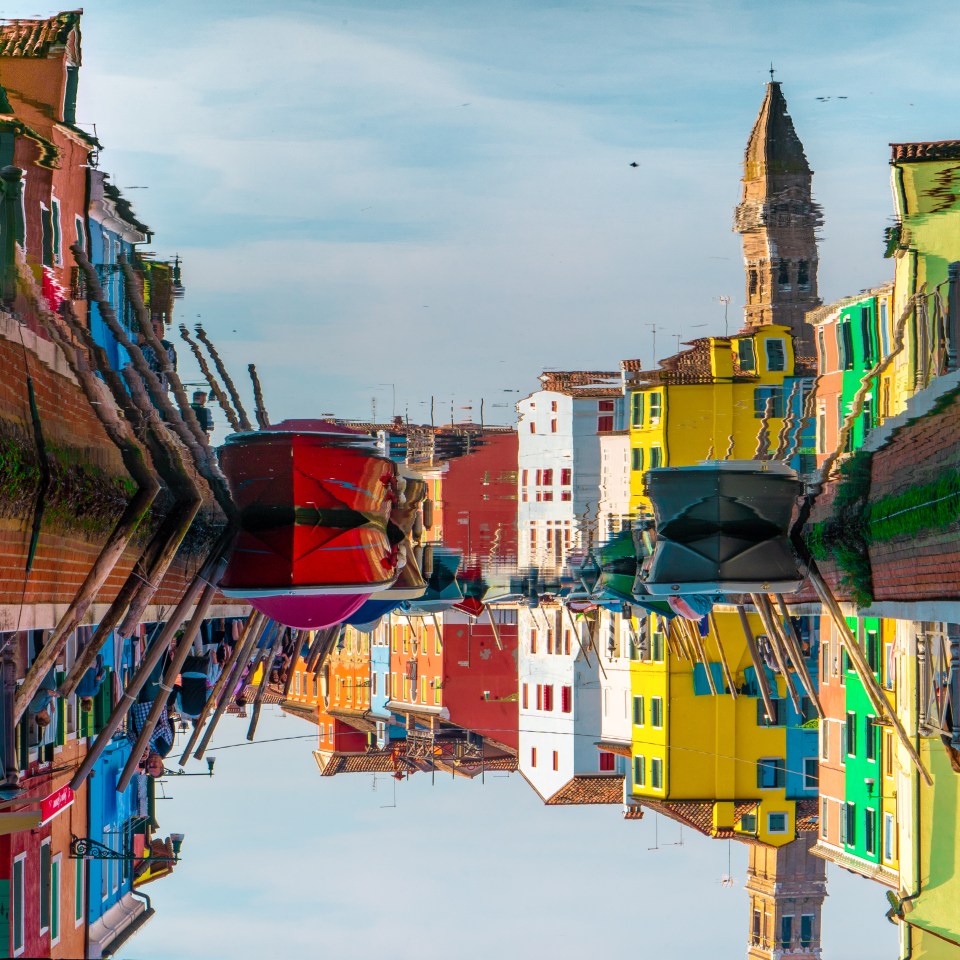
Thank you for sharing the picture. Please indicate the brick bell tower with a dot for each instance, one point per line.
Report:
(778, 220)
(786, 886)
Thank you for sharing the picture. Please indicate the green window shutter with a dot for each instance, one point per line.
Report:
(61, 712)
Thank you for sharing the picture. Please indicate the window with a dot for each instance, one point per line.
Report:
(533, 641)
(889, 666)
(888, 753)
(78, 892)
(850, 824)
(636, 410)
(656, 773)
(811, 773)
(752, 282)
(55, 900)
(607, 762)
(547, 495)
(639, 771)
(655, 403)
(873, 650)
(821, 352)
(656, 711)
(533, 756)
(437, 687)
(16, 905)
(605, 424)
(776, 355)
(556, 760)
(760, 397)
(870, 738)
(851, 726)
(553, 426)
(547, 478)
(638, 711)
(566, 477)
(870, 831)
(525, 696)
(81, 233)
(779, 714)
(748, 823)
(46, 236)
(771, 773)
(566, 699)
(45, 886)
(824, 811)
(786, 924)
(889, 836)
(656, 646)
(605, 406)
(539, 696)
(824, 733)
(866, 336)
(803, 276)
(533, 427)
(566, 496)
(553, 406)
(656, 457)
(548, 696)
(776, 823)
(783, 275)
(746, 356)
(756, 932)
(636, 458)
(845, 344)
(55, 223)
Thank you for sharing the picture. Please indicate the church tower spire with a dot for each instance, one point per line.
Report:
(778, 219)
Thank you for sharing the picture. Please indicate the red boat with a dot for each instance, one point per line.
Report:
(315, 538)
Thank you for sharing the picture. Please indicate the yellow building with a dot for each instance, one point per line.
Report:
(691, 745)
(924, 245)
(709, 402)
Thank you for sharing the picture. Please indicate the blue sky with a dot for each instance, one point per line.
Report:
(281, 862)
(440, 196)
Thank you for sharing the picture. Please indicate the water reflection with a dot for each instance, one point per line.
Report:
(717, 592)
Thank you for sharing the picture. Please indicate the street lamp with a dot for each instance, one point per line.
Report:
(183, 773)
(83, 848)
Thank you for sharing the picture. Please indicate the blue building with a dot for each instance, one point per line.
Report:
(114, 232)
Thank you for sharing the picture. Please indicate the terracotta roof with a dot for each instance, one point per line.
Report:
(698, 814)
(588, 789)
(510, 764)
(35, 38)
(931, 150)
(374, 761)
(582, 383)
(633, 812)
(808, 816)
(620, 749)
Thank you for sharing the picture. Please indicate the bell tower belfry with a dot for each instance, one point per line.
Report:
(786, 886)
(778, 219)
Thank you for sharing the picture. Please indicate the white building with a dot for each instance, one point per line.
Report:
(614, 483)
(559, 463)
(561, 711)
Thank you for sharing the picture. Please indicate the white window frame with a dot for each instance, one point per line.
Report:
(786, 821)
(889, 851)
(656, 706)
(56, 891)
(766, 352)
(656, 763)
(17, 923)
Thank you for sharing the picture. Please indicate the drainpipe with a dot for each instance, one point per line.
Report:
(921, 655)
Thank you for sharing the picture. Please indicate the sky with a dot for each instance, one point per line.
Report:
(279, 862)
(380, 201)
(384, 201)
